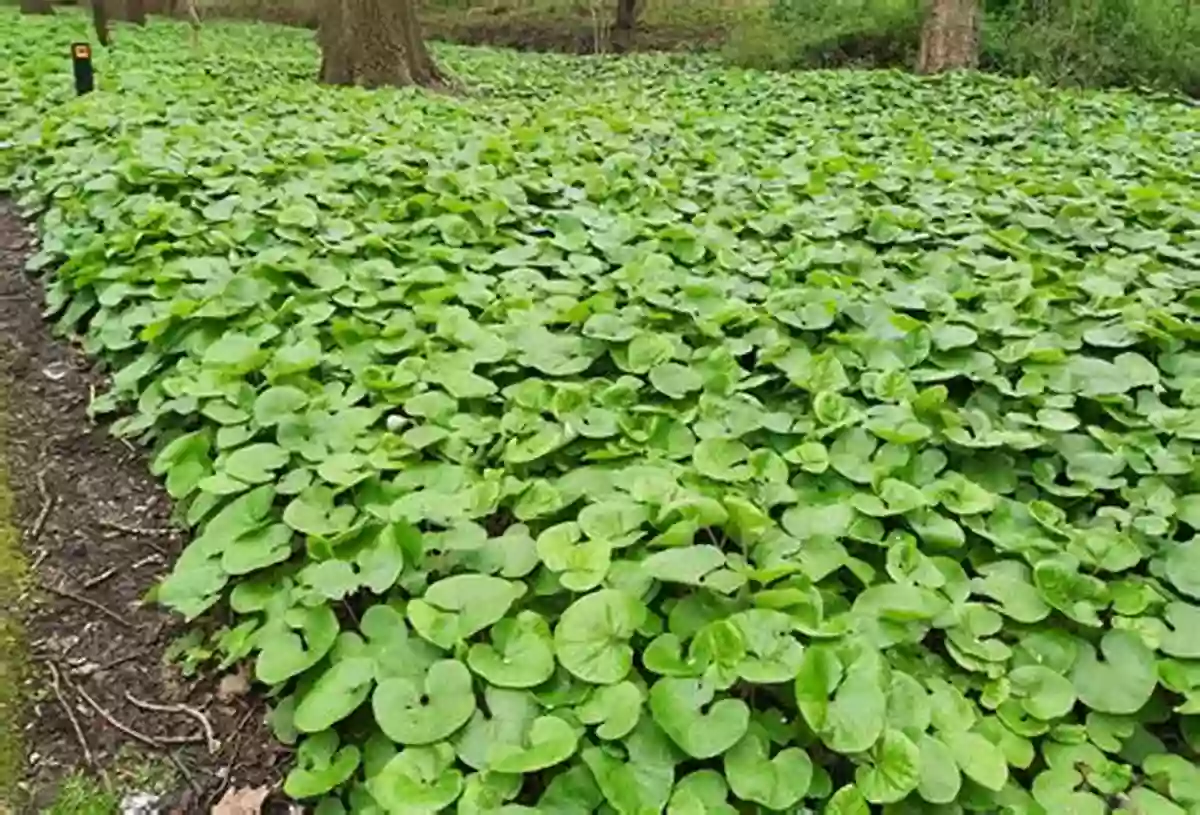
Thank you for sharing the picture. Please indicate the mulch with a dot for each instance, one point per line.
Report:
(96, 532)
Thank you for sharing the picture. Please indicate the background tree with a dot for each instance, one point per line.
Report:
(100, 21)
(36, 7)
(373, 43)
(950, 36)
(627, 11)
(133, 11)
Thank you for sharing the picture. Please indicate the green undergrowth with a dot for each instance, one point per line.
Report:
(127, 776)
(1071, 43)
(13, 651)
(80, 794)
(639, 435)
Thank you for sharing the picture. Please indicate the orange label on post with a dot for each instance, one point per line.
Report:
(83, 51)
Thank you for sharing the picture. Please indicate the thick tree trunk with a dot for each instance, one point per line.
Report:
(627, 12)
(950, 36)
(100, 21)
(36, 7)
(373, 43)
(131, 11)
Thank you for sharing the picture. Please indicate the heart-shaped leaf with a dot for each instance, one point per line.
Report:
(521, 654)
(685, 710)
(592, 635)
(428, 709)
(776, 782)
(456, 608)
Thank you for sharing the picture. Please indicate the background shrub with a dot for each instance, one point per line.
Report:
(1065, 42)
(1096, 42)
(814, 34)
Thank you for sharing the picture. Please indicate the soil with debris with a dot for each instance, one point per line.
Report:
(95, 529)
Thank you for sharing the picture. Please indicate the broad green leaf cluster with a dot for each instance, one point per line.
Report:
(640, 436)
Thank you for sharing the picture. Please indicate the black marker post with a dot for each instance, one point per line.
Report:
(81, 61)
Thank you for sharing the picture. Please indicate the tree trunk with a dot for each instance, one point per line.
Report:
(131, 11)
(100, 21)
(627, 13)
(373, 43)
(950, 36)
(36, 7)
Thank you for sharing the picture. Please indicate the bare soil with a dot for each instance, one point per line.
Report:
(95, 529)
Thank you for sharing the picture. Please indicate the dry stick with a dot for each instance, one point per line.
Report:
(47, 505)
(54, 686)
(185, 772)
(156, 742)
(87, 601)
(112, 663)
(214, 746)
(100, 578)
(146, 531)
(144, 561)
(227, 776)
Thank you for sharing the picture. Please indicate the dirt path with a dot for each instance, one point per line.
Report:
(95, 534)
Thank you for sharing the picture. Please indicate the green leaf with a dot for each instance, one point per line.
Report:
(592, 635)
(700, 793)
(776, 782)
(278, 403)
(294, 643)
(648, 350)
(320, 766)
(255, 463)
(455, 608)
(979, 759)
(427, 709)
(1044, 694)
(722, 459)
(335, 695)
(521, 654)
(688, 564)
(550, 741)
(675, 380)
(642, 782)
(418, 779)
(616, 708)
(1182, 566)
(894, 771)
(685, 710)
(939, 781)
(847, 801)
(1123, 682)
(856, 716)
(381, 561)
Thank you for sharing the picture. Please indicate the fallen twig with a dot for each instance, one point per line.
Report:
(100, 578)
(227, 774)
(112, 663)
(214, 746)
(144, 531)
(48, 501)
(87, 601)
(145, 561)
(185, 772)
(156, 742)
(57, 689)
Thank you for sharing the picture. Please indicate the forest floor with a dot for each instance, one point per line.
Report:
(100, 722)
(571, 33)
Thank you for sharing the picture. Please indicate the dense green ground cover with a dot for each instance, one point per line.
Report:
(639, 435)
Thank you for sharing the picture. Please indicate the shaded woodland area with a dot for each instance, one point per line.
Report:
(379, 42)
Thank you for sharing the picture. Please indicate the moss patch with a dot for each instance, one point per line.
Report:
(14, 571)
(81, 794)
